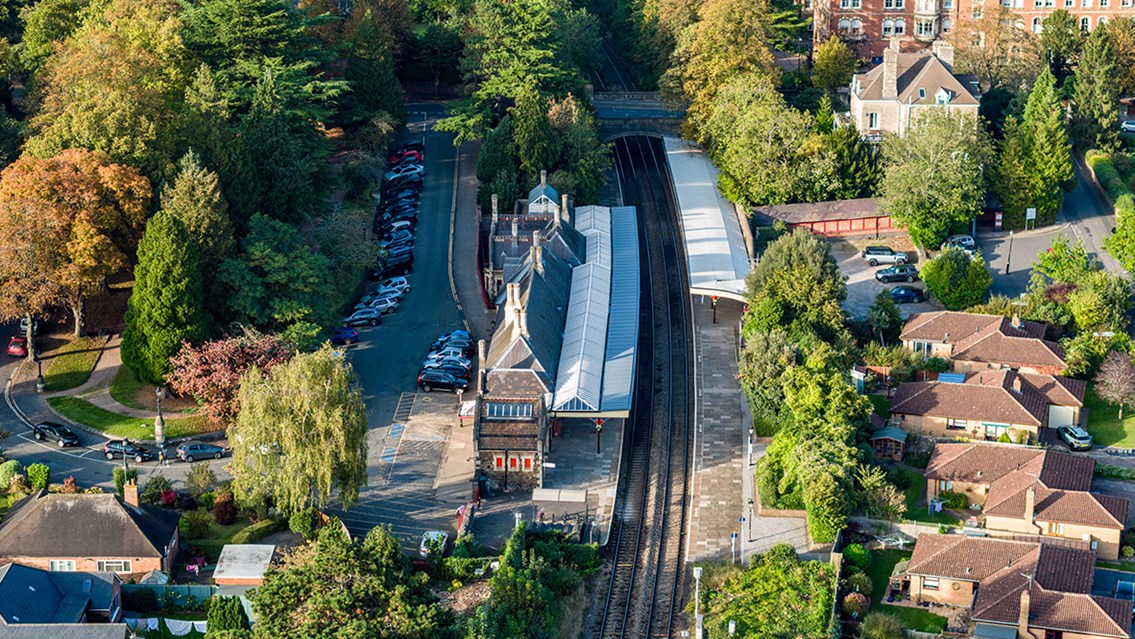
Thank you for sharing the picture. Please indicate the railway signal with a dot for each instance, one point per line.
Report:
(713, 303)
(598, 432)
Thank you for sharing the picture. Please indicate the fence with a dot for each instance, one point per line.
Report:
(184, 595)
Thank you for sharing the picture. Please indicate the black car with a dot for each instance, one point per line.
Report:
(907, 294)
(395, 267)
(411, 146)
(429, 379)
(451, 369)
(899, 272)
(190, 451)
(127, 449)
(57, 433)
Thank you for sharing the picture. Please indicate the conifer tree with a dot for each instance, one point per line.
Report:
(1096, 94)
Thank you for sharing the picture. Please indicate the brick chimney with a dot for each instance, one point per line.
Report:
(891, 71)
(944, 51)
(1030, 504)
(515, 232)
(563, 210)
(481, 366)
(537, 253)
(1023, 616)
(130, 493)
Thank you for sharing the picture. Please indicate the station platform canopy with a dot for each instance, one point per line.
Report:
(597, 361)
(717, 258)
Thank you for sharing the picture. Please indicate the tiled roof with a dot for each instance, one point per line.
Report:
(987, 338)
(515, 382)
(917, 71)
(34, 596)
(544, 298)
(1058, 581)
(58, 525)
(989, 396)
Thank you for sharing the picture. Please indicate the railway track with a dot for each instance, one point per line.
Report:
(647, 578)
(608, 76)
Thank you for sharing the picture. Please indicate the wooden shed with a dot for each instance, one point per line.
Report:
(836, 218)
(889, 443)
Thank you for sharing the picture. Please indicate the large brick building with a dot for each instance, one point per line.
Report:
(868, 25)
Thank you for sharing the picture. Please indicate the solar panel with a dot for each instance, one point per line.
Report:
(952, 378)
(508, 410)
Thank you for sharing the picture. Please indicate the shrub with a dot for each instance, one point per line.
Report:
(39, 476)
(8, 470)
(69, 486)
(936, 365)
(1004, 439)
(186, 502)
(120, 477)
(956, 279)
(224, 509)
(856, 603)
(168, 498)
(859, 582)
(195, 524)
(200, 479)
(231, 634)
(226, 613)
(878, 625)
(255, 532)
(1107, 471)
(465, 568)
(205, 500)
(155, 486)
(466, 545)
(142, 600)
(857, 556)
(953, 500)
(1128, 552)
(304, 523)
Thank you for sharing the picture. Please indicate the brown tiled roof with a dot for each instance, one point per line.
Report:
(988, 396)
(915, 71)
(980, 463)
(1058, 580)
(822, 211)
(506, 435)
(987, 338)
(515, 382)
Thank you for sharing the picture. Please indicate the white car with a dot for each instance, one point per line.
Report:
(432, 538)
(1127, 126)
(449, 360)
(364, 316)
(384, 305)
(448, 351)
(402, 170)
(369, 301)
(400, 283)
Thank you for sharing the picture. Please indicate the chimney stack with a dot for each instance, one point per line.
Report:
(944, 51)
(515, 231)
(564, 210)
(1016, 321)
(543, 177)
(1023, 617)
(1017, 384)
(537, 254)
(891, 71)
(512, 295)
(130, 493)
(481, 366)
(1030, 504)
(495, 214)
(522, 321)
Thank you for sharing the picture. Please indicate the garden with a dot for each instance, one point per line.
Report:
(869, 571)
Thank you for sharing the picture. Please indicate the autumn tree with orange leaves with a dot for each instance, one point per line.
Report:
(66, 223)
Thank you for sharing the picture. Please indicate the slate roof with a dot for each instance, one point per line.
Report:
(915, 71)
(1061, 482)
(990, 396)
(803, 213)
(1058, 581)
(65, 631)
(544, 189)
(58, 525)
(34, 596)
(987, 338)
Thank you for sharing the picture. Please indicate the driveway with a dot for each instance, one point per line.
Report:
(862, 287)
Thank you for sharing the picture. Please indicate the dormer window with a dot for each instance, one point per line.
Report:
(921, 93)
(943, 97)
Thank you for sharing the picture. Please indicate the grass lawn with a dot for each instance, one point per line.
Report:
(71, 365)
(882, 405)
(125, 389)
(1122, 566)
(917, 511)
(1104, 423)
(83, 412)
(916, 619)
(212, 543)
(879, 570)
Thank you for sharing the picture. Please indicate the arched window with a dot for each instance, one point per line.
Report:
(1102, 21)
(888, 27)
(856, 25)
(844, 24)
(1085, 24)
(1036, 25)
(900, 27)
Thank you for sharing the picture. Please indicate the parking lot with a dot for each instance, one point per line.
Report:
(861, 284)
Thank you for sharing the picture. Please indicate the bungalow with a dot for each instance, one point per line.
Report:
(77, 605)
(1019, 589)
(974, 342)
(90, 533)
(988, 404)
(1030, 491)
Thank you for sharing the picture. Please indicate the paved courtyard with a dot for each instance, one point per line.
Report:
(862, 287)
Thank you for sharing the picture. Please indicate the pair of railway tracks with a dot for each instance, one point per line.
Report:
(650, 525)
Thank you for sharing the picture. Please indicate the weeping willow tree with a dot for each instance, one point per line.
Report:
(300, 435)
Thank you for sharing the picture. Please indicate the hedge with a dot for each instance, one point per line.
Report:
(255, 532)
(1107, 471)
(1108, 176)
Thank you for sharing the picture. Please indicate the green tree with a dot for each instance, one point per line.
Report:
(1121, 33)
(1100, 303)
(798, 275)
(1095, 96)
(227, 613)
(857, 164)
(439, 49)
(884, 318)
(932, 176)
(1062, 39)
(300, 435)
(533, 142)
(347, 588)
(825, 118)
(1064, 263)
(764, 361)
(496, 166)
(45, 23)
(956, 279)
(833, 64)
(370, 72)
(583, 160)
(165, 308)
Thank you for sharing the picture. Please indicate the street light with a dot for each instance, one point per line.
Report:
(159, 422)
(39, 384)
(1009, 254)
(697, 596)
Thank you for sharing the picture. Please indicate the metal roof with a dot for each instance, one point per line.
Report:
(622, 319)
(715, 247)
(579, 384)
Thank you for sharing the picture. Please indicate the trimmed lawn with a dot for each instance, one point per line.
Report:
(916, 619)
(882, 405)
(1104, 424)
(125, 389)
(917, 511)
(71, 365)
(83, 412)
(879, 570)
(218, 535)
(1122, 566)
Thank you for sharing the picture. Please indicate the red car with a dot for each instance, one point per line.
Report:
(408, 153)
(18, 347)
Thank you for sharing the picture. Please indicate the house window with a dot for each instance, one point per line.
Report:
(1055, 528)
(894, 4)
(1085, 23)
(62, 565)
(929, 583)
(888, 27)
(1085, 4)
(116, 565)
(946, 24)
(1068, 4)
(995, 431)
(900, 27)
(844, 24)
(921, 93)
(956, 424)
(513, 463)
(924, 27)
(945, 484)
(1125, 3)
(856, 24)
(1102, 21)
(947, 4)
(1053, 634)
(1036, 25)
(872, 120)
(527, 463)
(807, 5)
(1105, 4)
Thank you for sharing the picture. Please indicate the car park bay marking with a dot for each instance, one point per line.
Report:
(65, 451)
(396, 431)
(388, 454)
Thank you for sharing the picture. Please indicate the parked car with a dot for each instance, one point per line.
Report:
(441, 362)
(452, 334)
(450, 351)
(875, 255)
(466, 346)
(364, 316)
(58, 433)
(18, 347)
(398, 156)
(378, 299)
(433, 538)
(428, 380)
(412, 145)
(963, 243)
(1075, 438)
(395, 266)
(190, 451)
(396, 252)
(396, 226)
(907, 294)
(405, 159)
(400, 283)
(455, 370)
(127, 449)
(397, 237)
(904, 272)
(1127, 126)
(344, 336)
(24, 326)
(392, 292)
(403, 170)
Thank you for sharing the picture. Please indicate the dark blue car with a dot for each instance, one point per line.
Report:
(344, 336)
(907, 295)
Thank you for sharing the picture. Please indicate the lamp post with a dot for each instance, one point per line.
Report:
(39, 384)
(697, 596)
(159, 422)
(1009, 254)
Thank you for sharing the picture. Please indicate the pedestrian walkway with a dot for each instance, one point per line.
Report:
(96, 389)
(466, 272)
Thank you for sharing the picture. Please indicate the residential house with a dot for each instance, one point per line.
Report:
(1026, 590)
(988, 404)
(37, 604)
(892, 96)
(90, 533)
(975, 342)
(1030, 491)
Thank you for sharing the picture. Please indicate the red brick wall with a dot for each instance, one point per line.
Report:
(235, 581)
(139, 565)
